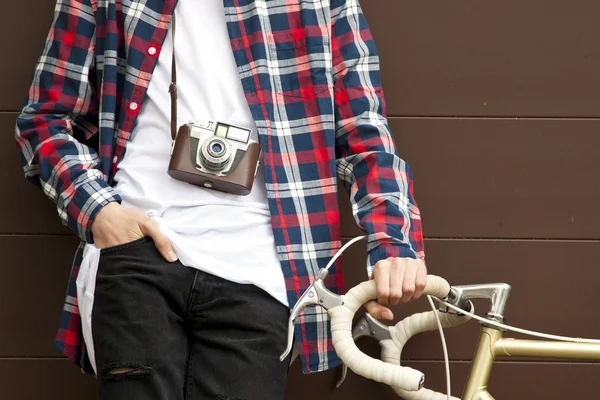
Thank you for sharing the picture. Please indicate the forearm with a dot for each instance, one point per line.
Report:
(59, 115)
(379, 182)
(380, 187)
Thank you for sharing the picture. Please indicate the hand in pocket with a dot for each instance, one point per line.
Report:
(116, 225)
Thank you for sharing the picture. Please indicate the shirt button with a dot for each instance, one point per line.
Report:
(115, 158)
(133, 106)
(152, 50)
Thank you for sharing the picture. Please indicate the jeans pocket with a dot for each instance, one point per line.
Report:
(124, 246)
(135, 257)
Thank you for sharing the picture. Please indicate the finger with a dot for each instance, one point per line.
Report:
(397, 268)
(150, 228)
(378, 311)
(409, 280)
(382, 281)
(421, 281)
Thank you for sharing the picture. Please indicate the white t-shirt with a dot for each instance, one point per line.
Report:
(223, 234)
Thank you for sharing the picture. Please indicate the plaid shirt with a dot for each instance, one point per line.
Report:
(310, 74)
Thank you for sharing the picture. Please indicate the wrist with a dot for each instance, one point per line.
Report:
(387, 249)
(101, 216)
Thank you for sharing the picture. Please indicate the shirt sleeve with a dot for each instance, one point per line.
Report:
(378, 181)
(60, 114)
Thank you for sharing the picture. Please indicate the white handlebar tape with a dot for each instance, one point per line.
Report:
(341, 329)
(391, 350)
(391, 353)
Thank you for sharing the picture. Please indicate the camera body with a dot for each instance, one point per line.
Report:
(215, 155)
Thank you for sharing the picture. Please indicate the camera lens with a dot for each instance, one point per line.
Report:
(216, 148)
(215, 153)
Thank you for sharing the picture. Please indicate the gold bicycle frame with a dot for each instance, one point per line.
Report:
(491, 344)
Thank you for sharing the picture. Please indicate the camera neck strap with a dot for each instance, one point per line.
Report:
(173, 86)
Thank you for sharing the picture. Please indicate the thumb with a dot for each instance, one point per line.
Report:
(163, 244)
(378, 311)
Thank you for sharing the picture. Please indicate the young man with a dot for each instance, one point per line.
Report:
(191, 286)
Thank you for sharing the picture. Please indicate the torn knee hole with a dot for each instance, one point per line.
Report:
(120, 371)
(127, 372)
(226, 398)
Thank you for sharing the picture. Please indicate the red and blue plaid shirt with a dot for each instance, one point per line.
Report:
(310, 73)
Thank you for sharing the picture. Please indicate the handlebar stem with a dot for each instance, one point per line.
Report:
(496, 293)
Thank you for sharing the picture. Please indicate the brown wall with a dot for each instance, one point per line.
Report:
(496, 107)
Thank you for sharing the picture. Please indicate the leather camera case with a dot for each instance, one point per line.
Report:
(182, 167)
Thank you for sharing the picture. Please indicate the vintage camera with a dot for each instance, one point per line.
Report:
(215, 155)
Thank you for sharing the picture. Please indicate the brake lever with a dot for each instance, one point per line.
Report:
(316, 295)
(372, 327)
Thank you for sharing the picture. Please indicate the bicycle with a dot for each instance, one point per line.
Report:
(456, 308)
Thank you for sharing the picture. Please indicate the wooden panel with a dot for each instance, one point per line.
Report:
(31, 28)
(60, 380)
(534, 58)
(44, 379)
(34, 274)
(473, 178)
(501, 178)
(514, 58)
(36, 269)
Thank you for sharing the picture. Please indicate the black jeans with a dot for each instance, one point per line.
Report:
(183, 334)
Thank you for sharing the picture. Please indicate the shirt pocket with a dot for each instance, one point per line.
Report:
(300, 67)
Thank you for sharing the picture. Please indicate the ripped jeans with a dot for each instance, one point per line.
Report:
(165, 331)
